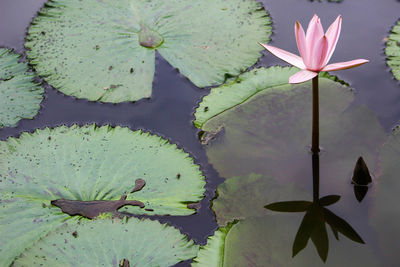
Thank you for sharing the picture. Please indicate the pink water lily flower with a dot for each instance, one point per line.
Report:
(316, 49)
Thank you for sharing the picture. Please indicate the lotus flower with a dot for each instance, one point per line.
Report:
(316, 49)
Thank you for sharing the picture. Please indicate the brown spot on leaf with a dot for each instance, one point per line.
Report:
(92, 209)
(139, 184)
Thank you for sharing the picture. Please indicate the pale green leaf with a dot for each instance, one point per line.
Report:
(20, 96)
(393, 50)
(86, 164)
(107, 243)
(104, 50)
(212, 254)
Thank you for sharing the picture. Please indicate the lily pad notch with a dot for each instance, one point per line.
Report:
(105, 50)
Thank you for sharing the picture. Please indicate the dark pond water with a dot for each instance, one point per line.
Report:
(169, 112)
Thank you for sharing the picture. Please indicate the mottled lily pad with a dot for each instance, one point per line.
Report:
(20, 96)
(393, 50)
(267, 129)
(88, 166)
(243, 197)
(110, 243)
(267, 241)
(105, 50)
(386, 211)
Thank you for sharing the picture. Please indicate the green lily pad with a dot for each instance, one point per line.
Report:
(267, 241)
(76, 168)
(109, 243)
(393, 50)
(105, 50)
(243, 197)
(212, 254)
(386, 212)
(20, 96)
(267, 130)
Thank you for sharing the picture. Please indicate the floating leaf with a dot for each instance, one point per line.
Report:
(267, 130)
(213, 253)
(20, 96)
(83, 166)
(105, 50)
(386, 211)
(267, 241)
(107, 243)
(393, 50)
(245, 196)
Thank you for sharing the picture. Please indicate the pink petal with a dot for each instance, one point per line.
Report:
(300, 40)
(345, 65)
(290, 58)
(320, 51)
(333, 36)
(302, 76)
(313, 35)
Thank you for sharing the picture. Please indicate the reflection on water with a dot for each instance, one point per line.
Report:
(313, 225)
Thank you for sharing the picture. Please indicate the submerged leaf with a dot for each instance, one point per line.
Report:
(267, 130)
(105, 50)
(385, 215)
(108, 243)
(245, 196)
(20, 96)
(267, 241)
(81, 166)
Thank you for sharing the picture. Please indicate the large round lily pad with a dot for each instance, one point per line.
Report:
(88, 171)
(393, 50)
(386, 211)
(267, 241)
(110, 243)
(104, 50)
(264, 127)
(20, 96)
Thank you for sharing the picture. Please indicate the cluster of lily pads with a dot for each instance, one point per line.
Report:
(67, 194)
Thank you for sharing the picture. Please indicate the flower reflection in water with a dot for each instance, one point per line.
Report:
(317, 216)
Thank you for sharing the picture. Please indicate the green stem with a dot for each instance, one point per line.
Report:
(315, 117)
